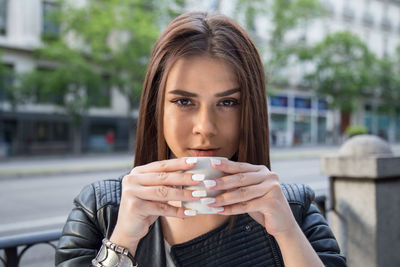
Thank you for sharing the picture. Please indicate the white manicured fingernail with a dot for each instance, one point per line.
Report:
(199, 193)
(215, 161)
(218, 209)
(190, 212)
(209, 183)
(198, 177)
(207, 200)
(191, 160)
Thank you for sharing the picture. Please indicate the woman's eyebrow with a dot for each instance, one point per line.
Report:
(189, 94)
(182, 93)
(228, 92)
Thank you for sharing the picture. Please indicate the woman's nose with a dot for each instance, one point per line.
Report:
(205, 122)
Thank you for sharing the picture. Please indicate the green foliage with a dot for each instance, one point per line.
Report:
(286, 16)
(388, 78)
(114, 36)
(6, 81)
(247, 11)
(289, 15)
(102, 44)
(51, 26)
(68, 81)
(356, 130)
(344, 69)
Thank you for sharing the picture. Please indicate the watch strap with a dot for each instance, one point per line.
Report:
(112, 255)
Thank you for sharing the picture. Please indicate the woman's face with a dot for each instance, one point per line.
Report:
(202, 108)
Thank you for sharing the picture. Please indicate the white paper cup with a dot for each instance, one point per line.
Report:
(203, 166)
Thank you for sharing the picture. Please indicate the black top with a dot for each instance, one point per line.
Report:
(246, 244)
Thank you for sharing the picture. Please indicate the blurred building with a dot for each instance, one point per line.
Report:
(377, 23)
(306, 119)
(41, 127)
(297, 116)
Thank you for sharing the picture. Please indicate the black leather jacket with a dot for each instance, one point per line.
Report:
(246, 244)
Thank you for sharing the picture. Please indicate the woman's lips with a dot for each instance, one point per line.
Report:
(203, 152)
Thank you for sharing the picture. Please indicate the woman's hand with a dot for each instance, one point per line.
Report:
(145, 193)
(254, 190)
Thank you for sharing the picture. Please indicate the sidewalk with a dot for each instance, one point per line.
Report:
(47, 165)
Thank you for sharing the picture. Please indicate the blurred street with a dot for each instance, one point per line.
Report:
(72, 72)
(40, 166)
(37, 193)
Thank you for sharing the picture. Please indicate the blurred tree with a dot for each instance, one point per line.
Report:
(388, 92)
(293, 14)
(247, 11)
(6, 78)
(286, 16)
(340, 67)
(388, 79)
(102, 44)
(289, 16)
(343, 70)
(5, 81)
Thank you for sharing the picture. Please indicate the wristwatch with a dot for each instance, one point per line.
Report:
(111, 255)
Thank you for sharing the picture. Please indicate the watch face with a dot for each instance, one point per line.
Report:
(102, 254)
(125, 261)
(112, 259)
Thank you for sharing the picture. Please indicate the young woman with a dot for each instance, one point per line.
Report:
(204, 95)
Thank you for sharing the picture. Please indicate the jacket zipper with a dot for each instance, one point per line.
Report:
(274, 251)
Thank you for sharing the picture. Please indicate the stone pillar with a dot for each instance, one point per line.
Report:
(365, 201)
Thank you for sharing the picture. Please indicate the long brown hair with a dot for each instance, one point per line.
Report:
(198, 33)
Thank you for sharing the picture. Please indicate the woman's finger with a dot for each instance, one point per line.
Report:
(261, 204)
(169, 165)
(243, 207)
(238, 180)
(231, 167)
(166, 193)
(246, 193)
(241, 194)
(146, 208)
(153, 208)
(165, 178)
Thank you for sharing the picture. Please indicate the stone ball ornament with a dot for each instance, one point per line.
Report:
(365, 145)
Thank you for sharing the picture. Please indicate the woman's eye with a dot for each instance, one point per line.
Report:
(182, 102)
(229, 102)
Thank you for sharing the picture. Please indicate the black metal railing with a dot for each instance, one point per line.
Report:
(10, 245)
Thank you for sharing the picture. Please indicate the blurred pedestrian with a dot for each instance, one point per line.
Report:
(110, 140)
(204, 95)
